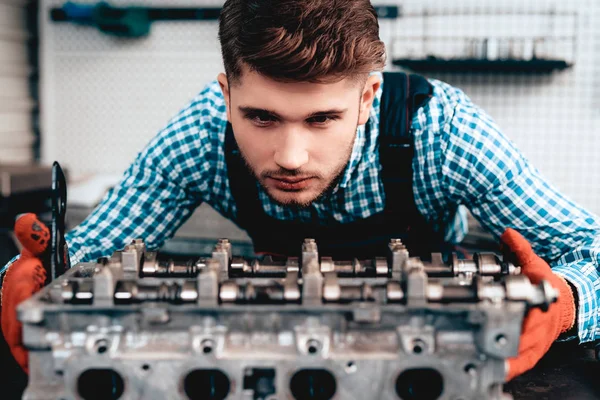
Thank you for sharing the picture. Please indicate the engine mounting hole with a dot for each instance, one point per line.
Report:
(207, 346)
(313, 346)
(350, 367)
(418, 346)
(101, 346)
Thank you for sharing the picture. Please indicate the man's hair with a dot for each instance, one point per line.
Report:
(301, 40)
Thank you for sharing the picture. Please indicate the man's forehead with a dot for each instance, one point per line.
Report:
(251, 81)
(292, 99)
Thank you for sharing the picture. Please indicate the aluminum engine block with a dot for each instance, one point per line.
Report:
(135, 327)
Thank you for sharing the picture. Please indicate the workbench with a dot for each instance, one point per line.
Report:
(567, 372)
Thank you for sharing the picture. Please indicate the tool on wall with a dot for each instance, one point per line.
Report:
(130, 21)
(135, 21)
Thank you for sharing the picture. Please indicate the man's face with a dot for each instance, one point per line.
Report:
(296, 138)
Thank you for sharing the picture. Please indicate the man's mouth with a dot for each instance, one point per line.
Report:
(290, 184)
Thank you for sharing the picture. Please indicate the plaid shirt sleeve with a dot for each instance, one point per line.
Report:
(473, 164)
(168, 179)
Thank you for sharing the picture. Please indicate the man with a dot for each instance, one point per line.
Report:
(301, 138)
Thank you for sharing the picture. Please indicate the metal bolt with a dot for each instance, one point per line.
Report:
(501, 341)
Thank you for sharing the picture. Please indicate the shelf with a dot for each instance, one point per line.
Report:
(464, 65)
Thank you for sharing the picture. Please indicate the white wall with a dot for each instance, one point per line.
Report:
(104, 98)
(16, 104)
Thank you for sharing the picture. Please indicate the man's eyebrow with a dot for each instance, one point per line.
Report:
(254, 110)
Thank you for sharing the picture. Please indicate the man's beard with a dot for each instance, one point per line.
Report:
(290, 173)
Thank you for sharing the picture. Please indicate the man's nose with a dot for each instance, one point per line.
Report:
(291, 153)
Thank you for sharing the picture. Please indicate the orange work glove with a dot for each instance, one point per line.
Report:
(540, 329)
(24, 278)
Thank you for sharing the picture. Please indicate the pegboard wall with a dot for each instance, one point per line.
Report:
(104, 98)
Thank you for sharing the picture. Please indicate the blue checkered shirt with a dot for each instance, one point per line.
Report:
(461, 160)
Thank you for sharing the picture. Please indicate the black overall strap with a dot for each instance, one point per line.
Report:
(242, 183)
(402, 95)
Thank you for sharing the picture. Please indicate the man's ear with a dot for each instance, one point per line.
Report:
(222, 78)
(368, 95)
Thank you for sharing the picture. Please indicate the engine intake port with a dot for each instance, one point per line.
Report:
(206, 384)
(100, 384)
(314, 384)
(419, 384)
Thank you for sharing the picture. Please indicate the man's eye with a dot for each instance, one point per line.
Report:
(261, 119)
(322, 119)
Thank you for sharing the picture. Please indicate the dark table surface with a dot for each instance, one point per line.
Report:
(567, 372)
